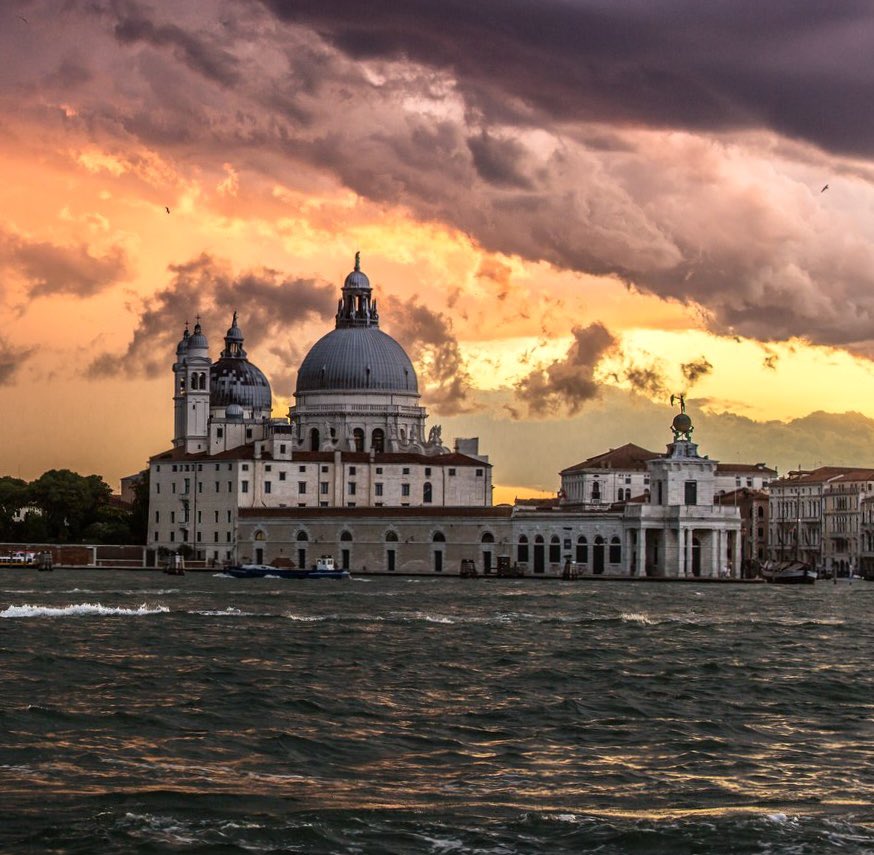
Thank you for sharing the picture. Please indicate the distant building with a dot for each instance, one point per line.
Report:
(753, 507)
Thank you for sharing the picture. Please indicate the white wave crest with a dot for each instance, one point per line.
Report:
(637, 617)
(79, 610)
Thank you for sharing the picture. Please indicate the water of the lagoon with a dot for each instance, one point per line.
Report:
(143, 713)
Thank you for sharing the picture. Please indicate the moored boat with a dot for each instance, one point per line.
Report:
(791, 573)
(323, 569)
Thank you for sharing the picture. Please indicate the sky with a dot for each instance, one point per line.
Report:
(568, 209)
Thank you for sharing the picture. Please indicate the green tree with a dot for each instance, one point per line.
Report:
(139, 512)
(13, 497)
(69, 502)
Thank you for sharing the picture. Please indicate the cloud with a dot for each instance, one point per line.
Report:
(648, 380)
(48, 269)
(797, 67)
(696, 369)
(200, 55)
(428, 338)
(12, 358)
(270, 308)
(569, 382)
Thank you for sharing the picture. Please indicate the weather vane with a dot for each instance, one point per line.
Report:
(682, 399)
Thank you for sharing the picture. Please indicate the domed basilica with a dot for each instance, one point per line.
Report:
(352, 472)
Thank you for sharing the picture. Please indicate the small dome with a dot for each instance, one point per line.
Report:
(182, 347)
(357, 280)
(357, 358)
(233, 380)
(198, 339)
(234, 411)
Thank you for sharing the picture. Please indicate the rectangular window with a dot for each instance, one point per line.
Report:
(158, 468)
(248, 433)
(691, 495)
(323, 488)
(199, 517)
(200, 486)
(228, 536)
(324, 469)
(229, 516)
(157, 516)
(187, 485)
(216, 486)
(405, 489)
(156, 536)
(379, 470)
(479, 473)
(199, 537)
(427, 471)
(216, 516)
(157, 488)
(281, 476)
(268, 468)
(245, 467)
(219, 433)
(281, 448)
(351, 487)
(172, 516)
(267, 487)
(244, 486)
(172, 536)
(218, 466)
(173, 487)
(351, 470)
(405, 471)
(323, 504)
(301, 487)
(230, 486)
(451, 471)
(301, 469)
(377, 489)
(215, 536)
(174, 467)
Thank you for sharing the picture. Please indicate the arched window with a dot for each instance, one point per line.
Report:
(259, 535)
(615, 551)
(522, 548)
(582, 550)
(302, 538)
(314, 439)
(621, 494)
(377, 440)
(302, 535)
(346, 535)
(488, 537)
(391, 537)
(439, 537)
(426, 493)
(554, 549)
(761, 511)
(358, 439)
(596, 491)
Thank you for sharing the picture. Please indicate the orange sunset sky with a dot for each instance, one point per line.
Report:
(568, 211)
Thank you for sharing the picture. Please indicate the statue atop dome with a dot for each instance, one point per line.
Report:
(681, 426)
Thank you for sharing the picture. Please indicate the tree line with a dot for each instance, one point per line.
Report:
(64, 507)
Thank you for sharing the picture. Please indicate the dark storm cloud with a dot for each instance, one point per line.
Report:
(498, 161)
(696, 369)
(12, 358)
(49, 269)
(197, 53)
(269, 308)
(568, 382)
(428, 339)
(799, 67)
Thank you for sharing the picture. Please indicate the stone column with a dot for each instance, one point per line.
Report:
(715, 550)
(641, 551)
(736, 557)
(681, 552)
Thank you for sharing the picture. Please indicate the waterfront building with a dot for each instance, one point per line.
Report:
(816, 516)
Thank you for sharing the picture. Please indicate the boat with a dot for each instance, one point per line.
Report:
(323, 569)
(790, 573)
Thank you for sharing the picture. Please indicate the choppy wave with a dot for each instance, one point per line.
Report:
(80, 610)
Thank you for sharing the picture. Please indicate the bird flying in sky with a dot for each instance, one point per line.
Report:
(166, 209)
(824, 189)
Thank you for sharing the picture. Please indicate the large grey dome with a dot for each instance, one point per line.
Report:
(357, 358)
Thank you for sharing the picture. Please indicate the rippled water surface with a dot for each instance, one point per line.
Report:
(147, 713)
